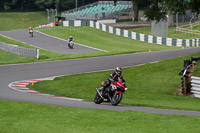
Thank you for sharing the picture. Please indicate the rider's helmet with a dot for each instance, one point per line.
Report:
(30, 27)
(118, 70)
(70, 37)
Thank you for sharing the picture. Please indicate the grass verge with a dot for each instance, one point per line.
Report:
(150, 85)
(103, 40)
(197, 70)
(20, 117)
(8, 58)
(21, 20)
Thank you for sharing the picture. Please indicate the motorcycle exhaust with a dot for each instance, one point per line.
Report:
(99, 93)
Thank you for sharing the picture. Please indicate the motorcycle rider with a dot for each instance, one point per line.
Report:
(114, 77)
(70, 45)
(70, 39)
(29, 30)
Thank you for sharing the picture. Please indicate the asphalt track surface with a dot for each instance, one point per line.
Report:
(11, 73)
(49, 43)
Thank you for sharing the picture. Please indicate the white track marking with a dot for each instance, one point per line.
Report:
(21, 86)
(75, 42)
(22, 42)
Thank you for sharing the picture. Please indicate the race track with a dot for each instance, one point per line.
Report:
(11, 73)
(47, 42)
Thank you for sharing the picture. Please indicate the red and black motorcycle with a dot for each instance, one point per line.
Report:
(113, 93)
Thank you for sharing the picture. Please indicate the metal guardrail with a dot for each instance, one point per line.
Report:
(28, 52)
(195, 83)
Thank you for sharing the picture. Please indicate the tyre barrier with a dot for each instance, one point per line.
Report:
(187, 80)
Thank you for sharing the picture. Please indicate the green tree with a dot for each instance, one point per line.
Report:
(6, 5)
(42, 4)
(161, 9)
(195, 6)
(66, 4)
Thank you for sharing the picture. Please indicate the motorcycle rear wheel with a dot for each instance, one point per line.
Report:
(98, 99)
(70, 47)
(31, 34)
(117, 99)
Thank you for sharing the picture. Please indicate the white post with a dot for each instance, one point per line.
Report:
(37, 54)
(48, 15)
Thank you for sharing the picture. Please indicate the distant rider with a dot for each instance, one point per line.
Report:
(70, 39)
(114, 77)
(29, 30)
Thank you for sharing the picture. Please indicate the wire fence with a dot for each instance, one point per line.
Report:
(159, 28)
(28, 52)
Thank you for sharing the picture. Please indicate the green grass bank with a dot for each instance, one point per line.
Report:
(197, 70)
(102, 40)
(21, 117)
(21, 20)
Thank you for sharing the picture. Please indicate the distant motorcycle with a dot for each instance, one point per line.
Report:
(71, 44)
(31, 33)
(113, 93)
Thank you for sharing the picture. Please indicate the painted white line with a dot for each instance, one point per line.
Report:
(153, 62)
(22, 42)
(29, 91)
(74, 99)
(75, 42)
(19, 85)
(22, 89)
(6, 36)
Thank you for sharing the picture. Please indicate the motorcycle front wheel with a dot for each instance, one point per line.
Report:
(98, 99)
(116, 99)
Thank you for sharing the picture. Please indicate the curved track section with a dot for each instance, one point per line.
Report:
(11, 73)
(47, 42)
(22, 87)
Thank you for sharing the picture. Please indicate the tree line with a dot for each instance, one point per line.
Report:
(153, 9)
(161, 9)
(37, 5)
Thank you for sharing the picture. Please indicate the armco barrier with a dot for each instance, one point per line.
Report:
(134, 35)
(28, 52)
(195, 86)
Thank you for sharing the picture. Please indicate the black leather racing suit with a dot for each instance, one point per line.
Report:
(112, 78)
(70, 39)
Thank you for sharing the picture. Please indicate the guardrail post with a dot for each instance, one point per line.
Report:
(37, 53)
